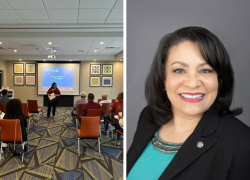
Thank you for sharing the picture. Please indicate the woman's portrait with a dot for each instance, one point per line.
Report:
(190, 126)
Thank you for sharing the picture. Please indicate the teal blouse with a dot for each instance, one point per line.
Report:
(151, 164)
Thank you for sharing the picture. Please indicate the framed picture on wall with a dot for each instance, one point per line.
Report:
(18, 80)
(95, 69)
(18, 68)
(30, 80)
(107, 81)
(107, 69)
(94, 81)
(30, 68)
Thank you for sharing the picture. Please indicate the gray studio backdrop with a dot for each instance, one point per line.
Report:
(149, 20)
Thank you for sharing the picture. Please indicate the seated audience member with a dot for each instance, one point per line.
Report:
(83, 100)
(119, 126)
(104, 99)
(90, 105)
(4, 97)
(14, 110)
(117, 104)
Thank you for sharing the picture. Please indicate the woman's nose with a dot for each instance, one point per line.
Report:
(192, 80)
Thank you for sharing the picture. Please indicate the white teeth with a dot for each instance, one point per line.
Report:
(192, 96)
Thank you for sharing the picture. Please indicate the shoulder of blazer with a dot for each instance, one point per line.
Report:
(144, 132)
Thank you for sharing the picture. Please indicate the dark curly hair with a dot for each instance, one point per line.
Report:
(14, 109)
(215, 54)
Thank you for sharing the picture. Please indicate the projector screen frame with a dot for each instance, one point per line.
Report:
(60, 62)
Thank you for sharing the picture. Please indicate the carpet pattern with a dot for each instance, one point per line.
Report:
(52, 154)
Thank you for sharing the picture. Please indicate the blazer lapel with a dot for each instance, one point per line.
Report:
(190, 150)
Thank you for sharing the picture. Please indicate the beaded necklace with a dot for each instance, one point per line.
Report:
(163, 146)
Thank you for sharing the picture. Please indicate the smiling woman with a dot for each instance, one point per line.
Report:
(191, 132)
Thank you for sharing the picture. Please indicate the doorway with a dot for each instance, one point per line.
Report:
(1, 78)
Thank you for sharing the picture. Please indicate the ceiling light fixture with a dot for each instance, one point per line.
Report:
(70, 60)
(20, 59)
(55, 51)
(15, 50)
(0, 42)
(44, 60)
(101, 42)
(95, 50)
(49, 43)
(94, 59)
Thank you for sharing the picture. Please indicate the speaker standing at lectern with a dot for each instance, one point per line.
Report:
(53, 93)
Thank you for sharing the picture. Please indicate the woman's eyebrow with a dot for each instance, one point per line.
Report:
(185, 64)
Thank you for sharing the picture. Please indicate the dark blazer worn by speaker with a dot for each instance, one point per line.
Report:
(224, 156)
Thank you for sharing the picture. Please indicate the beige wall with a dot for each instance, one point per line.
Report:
(30, 92)
(3, 67)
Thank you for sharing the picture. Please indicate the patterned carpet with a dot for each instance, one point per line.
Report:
(52, 154)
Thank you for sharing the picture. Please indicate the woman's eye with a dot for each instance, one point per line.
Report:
(206, 71)
(179, 71)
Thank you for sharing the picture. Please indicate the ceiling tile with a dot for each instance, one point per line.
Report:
(97, 3)
(11, 21)
(4, 5)
(91, 20)
(114, 21)
(105, 40)
(66, 39)
(84, 39)
(119, 4)
(116, 14)
(8, 14)
(36, 21)
(118, 42)
(93, 13)
(32, 14)
(105, 52)
(26, 4)
(60, 4)
(63, 14)
(63, 21)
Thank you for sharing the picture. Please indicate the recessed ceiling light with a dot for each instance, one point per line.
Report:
(20, 59)
(70, 60)
(0, 42)
(94, 59)
(49, 43)
(54, 50)
(15, 50)
(101, 42)
(95, 50)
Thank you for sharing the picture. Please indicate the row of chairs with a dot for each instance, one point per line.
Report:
(10, 129)
(89, 127)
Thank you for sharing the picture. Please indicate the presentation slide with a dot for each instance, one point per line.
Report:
(65, 75)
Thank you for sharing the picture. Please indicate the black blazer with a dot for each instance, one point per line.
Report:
(224, 156)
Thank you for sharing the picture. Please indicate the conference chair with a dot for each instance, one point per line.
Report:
(27, 114)
(33, 108)
(3, 107)
(106, 107)
(79, 113)
(96, 112)
(89, 129)
(11, 133)
(114, 100)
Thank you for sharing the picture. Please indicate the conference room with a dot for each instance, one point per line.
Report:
(61, 51)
